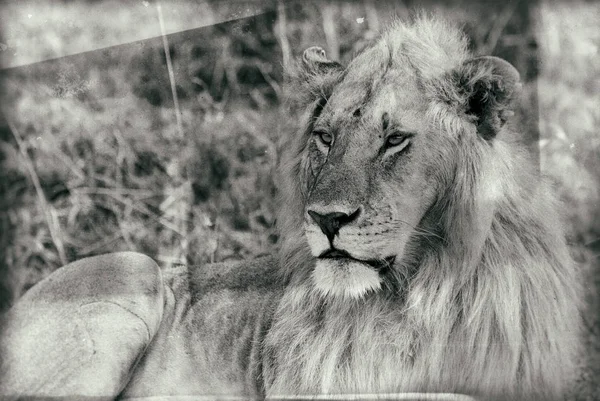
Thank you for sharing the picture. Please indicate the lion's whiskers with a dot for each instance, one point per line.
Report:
(424, 233)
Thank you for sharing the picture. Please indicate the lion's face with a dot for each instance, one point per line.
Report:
(371, 159)
(380, 152)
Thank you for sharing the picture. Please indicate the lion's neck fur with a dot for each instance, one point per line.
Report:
(491, 311)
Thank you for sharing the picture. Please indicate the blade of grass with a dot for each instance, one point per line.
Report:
(47, 209)
(183, 210)
(329, 14)
(142, 193)
(497, 28)
(281, 30)
(372, 18)
(170, 69)
(144, 210)
(91, 248)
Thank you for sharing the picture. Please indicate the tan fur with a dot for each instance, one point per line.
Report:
(482, 298)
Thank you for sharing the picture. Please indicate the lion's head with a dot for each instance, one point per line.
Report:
(422, 250)
(385, 143)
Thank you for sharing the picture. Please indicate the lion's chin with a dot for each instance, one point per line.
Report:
(344, 278)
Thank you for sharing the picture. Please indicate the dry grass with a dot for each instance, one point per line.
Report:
(94, 159)
(570, 147)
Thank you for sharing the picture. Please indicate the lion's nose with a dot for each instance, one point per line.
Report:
(331, 223)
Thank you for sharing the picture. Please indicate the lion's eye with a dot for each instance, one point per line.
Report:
(325, 137)
(397, 141)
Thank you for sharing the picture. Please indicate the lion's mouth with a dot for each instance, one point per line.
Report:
(378, 264)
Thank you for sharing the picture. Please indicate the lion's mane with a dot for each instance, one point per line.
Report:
(491, 310)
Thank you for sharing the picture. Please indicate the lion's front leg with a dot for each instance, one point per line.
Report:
(81, 331)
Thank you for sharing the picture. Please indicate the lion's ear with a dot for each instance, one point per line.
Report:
(313, 76)
(315, 61)
(490, 85)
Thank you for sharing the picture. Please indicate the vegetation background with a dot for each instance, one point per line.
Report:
(97, 155)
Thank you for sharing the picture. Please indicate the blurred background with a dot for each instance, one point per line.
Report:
(156, 127)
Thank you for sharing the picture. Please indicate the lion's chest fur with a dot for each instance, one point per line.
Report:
(333, 354)
(348, 347)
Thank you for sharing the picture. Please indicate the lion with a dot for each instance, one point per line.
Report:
(420, 253)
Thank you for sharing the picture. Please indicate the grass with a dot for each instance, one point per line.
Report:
(96, 158)
(570, 148)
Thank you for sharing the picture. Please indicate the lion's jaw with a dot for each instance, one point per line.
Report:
(345, 278)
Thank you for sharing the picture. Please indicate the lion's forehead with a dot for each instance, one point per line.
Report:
(362, 113)
(369, 93)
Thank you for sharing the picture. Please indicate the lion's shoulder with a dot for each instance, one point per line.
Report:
(215, 320)
(260, 275)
